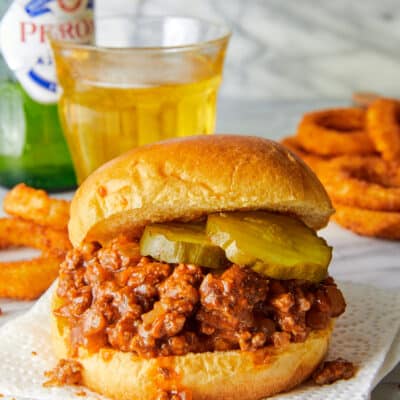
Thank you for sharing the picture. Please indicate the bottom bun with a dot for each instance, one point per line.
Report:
(214, 375)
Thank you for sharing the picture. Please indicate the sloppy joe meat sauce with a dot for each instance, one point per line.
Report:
(331, 371)
(66, 372)
(114, 297)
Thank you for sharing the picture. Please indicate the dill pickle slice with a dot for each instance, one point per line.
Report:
(275, 245)
(181, 243)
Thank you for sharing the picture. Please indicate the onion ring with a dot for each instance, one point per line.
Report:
(366, 182)
(28, 279)
(36, 205)
(4, 244)
(335, 132)
(383, 123)
(381, 224)
(313, 161)
(18, 232)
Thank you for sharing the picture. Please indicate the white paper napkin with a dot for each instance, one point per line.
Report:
(365, 334)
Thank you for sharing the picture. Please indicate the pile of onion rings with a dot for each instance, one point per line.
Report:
(39, 222)
(356, 154)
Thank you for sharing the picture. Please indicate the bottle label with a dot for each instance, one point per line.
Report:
(24, 44)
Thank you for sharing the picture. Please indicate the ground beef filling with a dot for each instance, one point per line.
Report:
(66, 372)
(114, 297)
(331, 371)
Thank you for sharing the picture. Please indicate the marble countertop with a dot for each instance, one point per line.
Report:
(282, 50)
(357, 259)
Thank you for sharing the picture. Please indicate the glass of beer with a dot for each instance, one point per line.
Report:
(139, 80)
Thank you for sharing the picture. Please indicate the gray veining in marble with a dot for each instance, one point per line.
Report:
(286, 49)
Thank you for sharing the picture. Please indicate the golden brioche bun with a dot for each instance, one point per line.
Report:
(190, 177)
(220, 375)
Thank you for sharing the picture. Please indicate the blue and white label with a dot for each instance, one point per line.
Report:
(37, 7)
(24, 45)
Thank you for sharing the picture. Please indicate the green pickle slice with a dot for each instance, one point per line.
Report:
(181, 243)
(275, 245)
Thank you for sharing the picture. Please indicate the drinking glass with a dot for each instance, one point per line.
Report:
(139, 80)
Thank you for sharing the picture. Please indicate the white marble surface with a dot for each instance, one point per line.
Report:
(285, 49)
(357, 259)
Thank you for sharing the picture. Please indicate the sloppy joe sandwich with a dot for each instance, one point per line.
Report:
(197, 273)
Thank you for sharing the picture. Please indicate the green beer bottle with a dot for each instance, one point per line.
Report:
(32, 146)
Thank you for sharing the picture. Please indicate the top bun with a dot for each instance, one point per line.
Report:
(186, 178)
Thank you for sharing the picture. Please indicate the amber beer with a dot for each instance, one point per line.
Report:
(114, 99)
(102, 122)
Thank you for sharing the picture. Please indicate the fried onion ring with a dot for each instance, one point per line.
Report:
(28, 279)
(335, 132)
(383, 123)
(313, 161)
(18, 232)
(381, 224)
(36, 205)
(366, 182)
